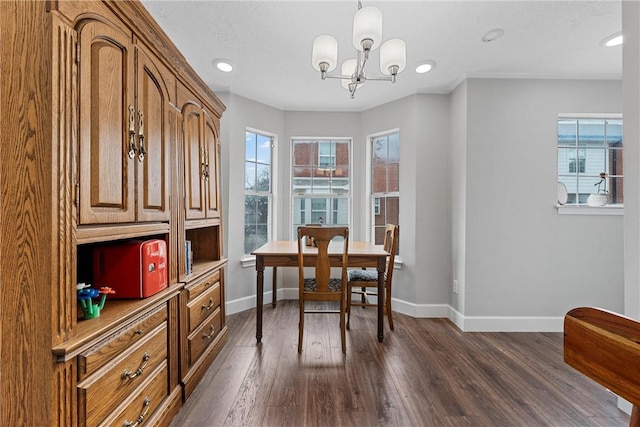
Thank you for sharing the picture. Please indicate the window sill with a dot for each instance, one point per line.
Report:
(248, 261)
(590, 210)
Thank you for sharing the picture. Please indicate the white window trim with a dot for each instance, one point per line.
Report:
(248, 260)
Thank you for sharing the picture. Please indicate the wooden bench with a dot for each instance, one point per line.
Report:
(605, 346)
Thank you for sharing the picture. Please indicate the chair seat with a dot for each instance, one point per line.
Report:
(310, 285)
(363, 275)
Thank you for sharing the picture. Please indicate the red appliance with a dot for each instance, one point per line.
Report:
(136, 269)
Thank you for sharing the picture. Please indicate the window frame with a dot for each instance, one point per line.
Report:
(249, 259)
(582, 208)
(332, 198)
(372, 198)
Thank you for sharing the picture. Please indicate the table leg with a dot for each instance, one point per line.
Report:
(274, 287)
(259, 295)
(381, 296)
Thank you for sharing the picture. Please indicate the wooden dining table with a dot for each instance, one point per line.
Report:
(284, 253)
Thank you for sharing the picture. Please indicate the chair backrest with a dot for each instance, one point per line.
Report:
(322, 236)
(390, 245)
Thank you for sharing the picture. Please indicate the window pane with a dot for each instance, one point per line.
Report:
(567, 132)
(616, 195)
(263, 177)
(250, 176)
(595, 161)
(256, 219)
(591, 133)
(264, 149)
(250, 146)
(614, 132)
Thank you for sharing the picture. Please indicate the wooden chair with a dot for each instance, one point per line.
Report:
(364, 280)
(322, 287)
(606, 347)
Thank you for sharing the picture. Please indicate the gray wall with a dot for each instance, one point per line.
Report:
(631, 91)
(240, 114)
(522, 258)
(478, 202)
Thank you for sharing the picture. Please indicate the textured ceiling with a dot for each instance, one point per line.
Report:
(269, 43)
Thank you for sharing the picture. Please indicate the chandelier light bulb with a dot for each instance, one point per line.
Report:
(393, 53)
(325, 51)
(367, 25)
(349, 69)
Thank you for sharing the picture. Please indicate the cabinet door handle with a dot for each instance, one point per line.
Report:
(132, 132)
(143, 414)
(141, 148)
(203, 162)
(208, 306)
(127, 374)
(210, 334)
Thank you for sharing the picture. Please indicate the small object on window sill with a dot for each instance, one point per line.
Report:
(597, 199)
(562, 193)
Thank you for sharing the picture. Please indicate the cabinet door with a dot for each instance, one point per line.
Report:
(193, 149)
(211, 166)
(152, 128)
(106, 173)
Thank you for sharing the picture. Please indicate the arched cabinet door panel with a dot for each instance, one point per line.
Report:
(194, 163)
(106, 82)
(211, 126)
(152, 139)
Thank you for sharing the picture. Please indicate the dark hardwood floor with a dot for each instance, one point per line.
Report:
(425, 373)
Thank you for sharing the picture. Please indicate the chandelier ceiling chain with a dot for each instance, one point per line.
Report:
(367, 35)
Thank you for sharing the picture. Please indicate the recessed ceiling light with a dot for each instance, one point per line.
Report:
(223, 65)
(492, 35)
(425, 66)
(612, 40)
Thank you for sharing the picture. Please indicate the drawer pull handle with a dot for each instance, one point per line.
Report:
(206, 285)
(138, 332)
(131, 375)
(209, 335)
(143, 414)
(208, 306)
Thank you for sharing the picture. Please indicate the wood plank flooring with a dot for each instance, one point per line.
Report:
(425, 373)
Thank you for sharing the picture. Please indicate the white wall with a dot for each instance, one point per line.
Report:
(525, 264)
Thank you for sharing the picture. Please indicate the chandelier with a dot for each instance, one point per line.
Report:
(367, 35)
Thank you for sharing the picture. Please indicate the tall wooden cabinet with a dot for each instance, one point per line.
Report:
(107, 136)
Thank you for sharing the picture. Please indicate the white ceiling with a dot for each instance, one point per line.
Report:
(269, 43)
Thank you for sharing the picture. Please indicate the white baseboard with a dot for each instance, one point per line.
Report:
(505, 323)
(464, 323)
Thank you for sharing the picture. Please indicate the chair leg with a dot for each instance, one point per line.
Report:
(348, 305)
(343, 335)
(388, 308)
(300, 325)
(363, 296)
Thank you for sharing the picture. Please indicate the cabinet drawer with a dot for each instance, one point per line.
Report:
(203, 306)
(202, 285)
(100, 393)
(204, 335)
(97, 356)
(142, 405)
